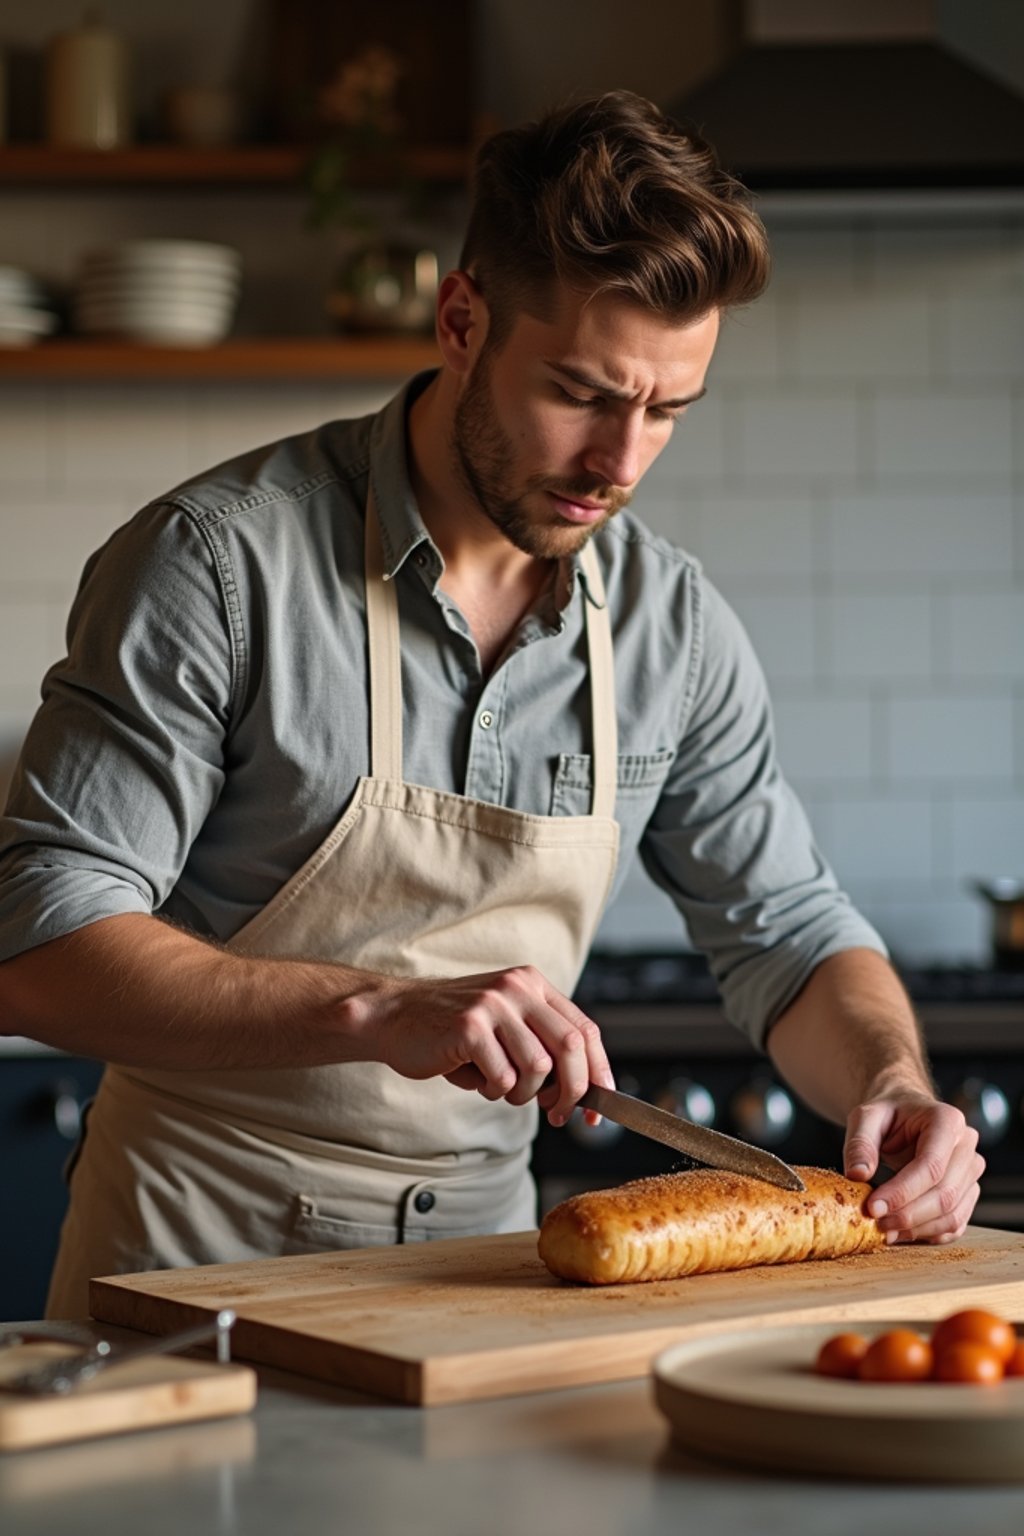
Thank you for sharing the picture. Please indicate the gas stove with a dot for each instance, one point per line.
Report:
(669, 1042)
(643, 999)
(680, 978)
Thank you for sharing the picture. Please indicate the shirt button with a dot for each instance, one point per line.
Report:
(425, 1201)
(421, 559)
(486, 720)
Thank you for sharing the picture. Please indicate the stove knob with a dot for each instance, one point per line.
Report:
(762, 1113)
(985, 1107)
(692, 1100)
(596, 1137)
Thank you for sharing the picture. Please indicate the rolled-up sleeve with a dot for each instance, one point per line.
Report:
(125, 756)
(730, 843)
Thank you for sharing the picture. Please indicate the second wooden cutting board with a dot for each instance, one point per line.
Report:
(470, 1318)
(136, 1394)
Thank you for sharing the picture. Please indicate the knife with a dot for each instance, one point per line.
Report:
(697, 1141)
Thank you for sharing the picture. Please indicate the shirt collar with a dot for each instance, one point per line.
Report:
(402, 527)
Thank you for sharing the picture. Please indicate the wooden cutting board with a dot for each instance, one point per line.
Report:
(469, 1318)
(137, 1394)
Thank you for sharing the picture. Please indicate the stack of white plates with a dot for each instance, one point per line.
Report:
(171, 292)
(24, 314)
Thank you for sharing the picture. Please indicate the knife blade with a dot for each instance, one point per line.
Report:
(697, 1141)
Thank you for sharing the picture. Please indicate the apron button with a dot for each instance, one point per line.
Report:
(425, 1201)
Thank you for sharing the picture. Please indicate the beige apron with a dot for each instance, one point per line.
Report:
(200, 1167)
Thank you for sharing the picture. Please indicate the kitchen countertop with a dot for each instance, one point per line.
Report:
(315, 1459)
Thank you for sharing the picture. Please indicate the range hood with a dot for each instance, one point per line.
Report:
(805, 113)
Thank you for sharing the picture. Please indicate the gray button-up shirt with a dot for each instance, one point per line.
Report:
(209, 723)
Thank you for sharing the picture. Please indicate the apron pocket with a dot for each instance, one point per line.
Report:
(316, 1230)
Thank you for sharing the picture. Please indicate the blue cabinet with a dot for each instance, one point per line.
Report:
(41, 1101)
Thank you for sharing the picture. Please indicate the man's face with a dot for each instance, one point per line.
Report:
(553, 431)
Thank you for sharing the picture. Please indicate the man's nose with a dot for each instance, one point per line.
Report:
(613, 454)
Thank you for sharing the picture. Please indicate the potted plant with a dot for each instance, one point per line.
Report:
(385, 280)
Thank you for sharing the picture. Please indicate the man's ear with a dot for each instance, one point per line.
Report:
(462, 321)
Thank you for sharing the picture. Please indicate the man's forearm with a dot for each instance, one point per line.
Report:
(850, 1036)
(136, 991)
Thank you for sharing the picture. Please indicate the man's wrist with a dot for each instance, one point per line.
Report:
(355, 1017)
(899, 1084)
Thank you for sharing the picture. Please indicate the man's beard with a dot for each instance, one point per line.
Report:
(484, 461)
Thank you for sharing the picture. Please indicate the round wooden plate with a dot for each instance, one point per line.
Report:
(754, 1398)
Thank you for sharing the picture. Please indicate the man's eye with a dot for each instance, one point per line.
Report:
(575, 400)
(672, 415)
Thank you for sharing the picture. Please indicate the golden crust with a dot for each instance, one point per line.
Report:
(692, 1223)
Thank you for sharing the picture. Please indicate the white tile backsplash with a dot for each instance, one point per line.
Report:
(945, 258)
(987, 835)
(47, 538)
(875, 338)
(797, 434)
(878, 635)
(110, 431)
(928, 926)
(827, 740)
(893, 534)
(854, 482)
(942, 436)
(876, 839)
(698, 441)
(29, 643)
(987, 633)
(781, 621)
(28, 447)
(756, 535)
(981, 339)
(825, 262)
(950, 737)
(238, 418)
(748, 347)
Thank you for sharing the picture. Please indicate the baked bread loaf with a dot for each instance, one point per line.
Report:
(692, 1223)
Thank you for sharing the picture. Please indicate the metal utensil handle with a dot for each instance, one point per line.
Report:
(12, 1334)
(220, 1329)
(69, 1371)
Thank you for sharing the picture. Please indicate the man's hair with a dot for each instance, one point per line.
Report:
(610, 196)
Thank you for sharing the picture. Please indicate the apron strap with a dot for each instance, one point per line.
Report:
(602, 687)
(386, 671)
(385, 657)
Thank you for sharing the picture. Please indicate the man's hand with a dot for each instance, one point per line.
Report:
(499, 1034)
(932, 1195)
(850, 1046)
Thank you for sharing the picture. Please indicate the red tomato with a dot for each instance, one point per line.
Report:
(841, 1354)
(1015, 1364)
(899, 1355)
(975, 1326)
(964, 1361)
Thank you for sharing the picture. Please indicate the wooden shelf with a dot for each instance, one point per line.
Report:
(241, 358)
(38, 165)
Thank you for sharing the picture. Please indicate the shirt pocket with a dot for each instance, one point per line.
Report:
(638, 780)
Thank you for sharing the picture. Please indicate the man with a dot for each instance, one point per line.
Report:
(318, 817)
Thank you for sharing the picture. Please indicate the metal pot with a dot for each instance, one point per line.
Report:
(385, 285)
(1005, 896)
